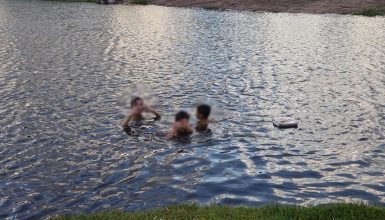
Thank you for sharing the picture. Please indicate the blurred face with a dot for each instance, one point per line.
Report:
(183, 123)
(139, 106)
(198, 115)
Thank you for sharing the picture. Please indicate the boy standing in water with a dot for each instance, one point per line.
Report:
(181, 125)
(202, 114)
(137, 108)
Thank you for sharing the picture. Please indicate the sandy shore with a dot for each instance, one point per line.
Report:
(291, 6)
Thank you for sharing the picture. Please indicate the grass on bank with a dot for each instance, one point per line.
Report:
(140, 2)
(371, 12)
(276, 212)
(210, 7)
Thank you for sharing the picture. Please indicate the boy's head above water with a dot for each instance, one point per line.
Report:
(203, 111)
(182, 116)
(137, 103)
(181, 125)
(202, 114)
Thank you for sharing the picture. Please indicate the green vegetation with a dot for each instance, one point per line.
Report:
(140, 2)
(371, 12)
(330, 211)
(210, 7)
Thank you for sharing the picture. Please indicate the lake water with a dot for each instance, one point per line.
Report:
(66, 70)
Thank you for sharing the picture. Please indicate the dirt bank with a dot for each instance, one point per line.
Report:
(292, 6)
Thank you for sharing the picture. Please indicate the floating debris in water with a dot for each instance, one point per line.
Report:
(285, 122)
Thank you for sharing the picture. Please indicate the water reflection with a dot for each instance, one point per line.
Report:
(66, 67)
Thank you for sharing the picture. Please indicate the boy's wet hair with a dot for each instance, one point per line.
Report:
(182, 115)
(135, 100)
(204, 110)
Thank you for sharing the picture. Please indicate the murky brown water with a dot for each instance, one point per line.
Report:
(64, 68)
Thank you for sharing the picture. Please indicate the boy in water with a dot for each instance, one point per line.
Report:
(202, 114)
(181, 125)
(137, 108)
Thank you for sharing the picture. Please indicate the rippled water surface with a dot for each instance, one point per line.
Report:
(66, 67)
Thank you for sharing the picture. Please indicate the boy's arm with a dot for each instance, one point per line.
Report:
(153, 111)
(171, 133)
(157, 114)
(127, 120)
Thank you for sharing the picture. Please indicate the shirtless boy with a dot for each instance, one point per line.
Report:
(137, 109)
(202, 114)
(181, 125)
